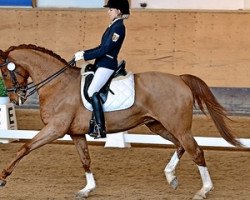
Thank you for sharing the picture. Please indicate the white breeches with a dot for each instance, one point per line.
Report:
(100, 79)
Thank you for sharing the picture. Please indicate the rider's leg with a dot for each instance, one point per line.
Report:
(101, 77)
(92, 124)
(100, 130)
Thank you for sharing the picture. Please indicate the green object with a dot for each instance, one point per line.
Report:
(3, 91)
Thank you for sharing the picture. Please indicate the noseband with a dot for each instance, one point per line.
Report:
(19, 90)
(22, 90)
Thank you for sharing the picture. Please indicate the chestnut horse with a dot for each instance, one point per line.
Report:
(164, 103)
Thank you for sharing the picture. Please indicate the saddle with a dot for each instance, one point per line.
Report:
(90, 70)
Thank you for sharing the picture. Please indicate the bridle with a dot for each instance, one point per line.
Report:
(21, 91)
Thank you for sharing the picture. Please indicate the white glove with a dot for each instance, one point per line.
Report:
(79, 55)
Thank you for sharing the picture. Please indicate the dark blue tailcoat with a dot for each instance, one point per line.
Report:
(106, 53)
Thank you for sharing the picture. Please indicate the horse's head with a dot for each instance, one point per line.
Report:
(15, 78)
(18, 63)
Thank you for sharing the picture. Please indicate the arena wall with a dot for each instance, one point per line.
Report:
(211, 45)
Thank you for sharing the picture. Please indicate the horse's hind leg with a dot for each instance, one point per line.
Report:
(82, 148)
(158, 128)
(197, 154)
(171, 166)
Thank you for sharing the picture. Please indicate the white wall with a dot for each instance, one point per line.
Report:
(247, 4)
(193, 4)
(153, 4)
(71, 3)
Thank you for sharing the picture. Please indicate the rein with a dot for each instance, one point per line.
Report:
(35, 87)
(50, 78)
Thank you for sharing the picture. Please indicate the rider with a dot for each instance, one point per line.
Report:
(105, 56)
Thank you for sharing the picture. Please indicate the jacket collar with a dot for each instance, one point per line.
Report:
(116, 19)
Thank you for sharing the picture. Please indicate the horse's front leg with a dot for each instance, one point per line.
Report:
(83, 151)
(49, 133)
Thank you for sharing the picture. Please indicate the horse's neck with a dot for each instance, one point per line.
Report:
(39, 64)
(40, 72)
(42, 66)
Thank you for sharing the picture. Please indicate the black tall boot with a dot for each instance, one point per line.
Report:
(91, 125)
(100, 131)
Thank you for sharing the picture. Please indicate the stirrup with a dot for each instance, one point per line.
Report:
(99, 132)
(91, 126)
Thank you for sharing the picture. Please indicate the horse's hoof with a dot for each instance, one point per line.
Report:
(2, 183)
(174, 183)
(81, 195)
(198, 196)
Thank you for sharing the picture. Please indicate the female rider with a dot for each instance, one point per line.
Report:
(105, 56)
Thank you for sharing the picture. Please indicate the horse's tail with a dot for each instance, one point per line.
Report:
(203, 95)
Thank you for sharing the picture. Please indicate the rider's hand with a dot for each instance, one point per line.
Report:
(79, 55)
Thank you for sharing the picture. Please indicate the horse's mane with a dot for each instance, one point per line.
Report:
(37, 48)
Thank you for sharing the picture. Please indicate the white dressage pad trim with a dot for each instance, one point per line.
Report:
(123, 97)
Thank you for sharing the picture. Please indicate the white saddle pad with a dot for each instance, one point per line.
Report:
(123, 97)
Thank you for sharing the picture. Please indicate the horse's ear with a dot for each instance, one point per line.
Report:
(3, 55)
